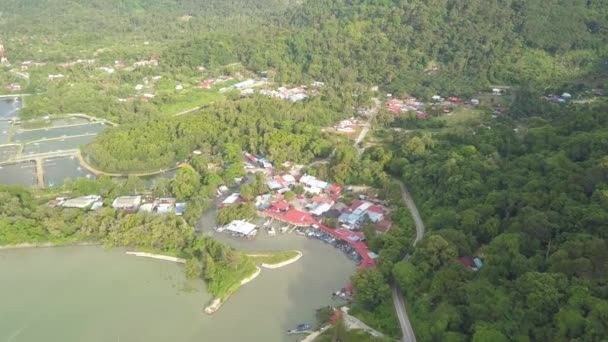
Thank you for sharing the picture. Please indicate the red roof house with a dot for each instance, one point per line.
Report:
(280, 206)
(321, 199)
(467, 261)
(335, 189)
(383, 226)
(206, 84)
(376, 209)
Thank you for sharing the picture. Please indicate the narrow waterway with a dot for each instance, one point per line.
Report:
(9, 107)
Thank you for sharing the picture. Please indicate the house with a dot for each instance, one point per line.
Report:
(248, 91)
(375, 213)
(206, 84)
(180, 208)
(241, 228)
(148, 96)
(313, 184)
(288, 179)
(127, 203)
(473, 263)
(496, 91)
(474, 102)
(384, 225)
(273, 184)
(146, 208)
(320, 208)
(467, 261)
(107, 70)
(298, 97)
(245, 84)
(421, 115)
(233, 198)
(139, 87)
(55, 77)
(179, 87)
(81, 202)
(165, 205)
(566, 95)
(14, 87)
(280, 206)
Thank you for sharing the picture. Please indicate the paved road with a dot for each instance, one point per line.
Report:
(409, 202)
(406, 327)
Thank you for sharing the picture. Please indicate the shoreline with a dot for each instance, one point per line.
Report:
(47, 245)
(158, 257)
(283, 263)
(217, 303)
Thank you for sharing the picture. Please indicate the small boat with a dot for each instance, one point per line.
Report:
(284, 229)
(271, 232)
(300, 329)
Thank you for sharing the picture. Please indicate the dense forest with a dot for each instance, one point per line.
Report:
(280, 130)
(530, 202)
(409, 46)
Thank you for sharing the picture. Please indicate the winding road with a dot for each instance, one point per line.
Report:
(407, 331)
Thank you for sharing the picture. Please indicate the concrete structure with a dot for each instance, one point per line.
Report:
(127, 203)
(241, 228)
(81, 202)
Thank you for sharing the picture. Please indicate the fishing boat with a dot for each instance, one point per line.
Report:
(284, 229)
(302, 328)
(272, 232)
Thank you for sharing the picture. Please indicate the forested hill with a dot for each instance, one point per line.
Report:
(414, 46)
(530, 199)
(469, 42)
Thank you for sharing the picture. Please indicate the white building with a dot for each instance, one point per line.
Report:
(81, 202)
(241, 228)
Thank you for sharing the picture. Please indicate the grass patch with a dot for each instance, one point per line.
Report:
(191, 98)
(273, 257)
(35, 124)
(462, 115)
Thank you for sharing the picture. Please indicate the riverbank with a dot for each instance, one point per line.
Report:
(217, 303)
(48, 244)
(158, 256)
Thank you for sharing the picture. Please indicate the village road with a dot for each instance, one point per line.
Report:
(406, 327)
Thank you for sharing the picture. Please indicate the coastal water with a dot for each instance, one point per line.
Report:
(88, 294)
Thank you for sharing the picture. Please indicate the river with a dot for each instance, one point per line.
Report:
(88, 294)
